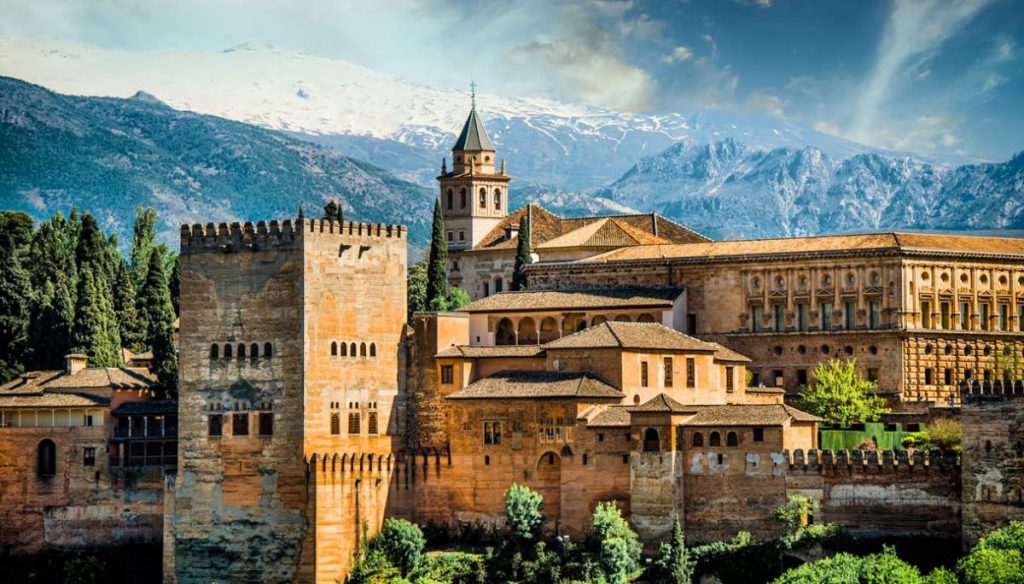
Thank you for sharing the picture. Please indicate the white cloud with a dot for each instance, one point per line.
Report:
(678, 54)
(765, 103)
(826, 128)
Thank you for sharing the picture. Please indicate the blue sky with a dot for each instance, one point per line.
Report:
(930, 76)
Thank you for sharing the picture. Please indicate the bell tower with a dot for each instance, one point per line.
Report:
(474, 195)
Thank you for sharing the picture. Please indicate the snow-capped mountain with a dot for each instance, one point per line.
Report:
(387, 120)
(727, 189)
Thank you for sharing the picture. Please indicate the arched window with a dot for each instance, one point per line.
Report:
(715, 440)
(344, 349)
(497, 199)
(46, 458)
(462, 199)
(622, 318)
(373, 349)
(651, 441)
(227, 351)
(214, 352)
(599, 319)
(483, 198)
(334, 349)
(645, 317)
(698, 440)
(254, 351)
(362, 349)
(267, 351)
(335, 424)
(241, 351)
(731, 439)
(353, 351)
(548, 329)
(450, 203)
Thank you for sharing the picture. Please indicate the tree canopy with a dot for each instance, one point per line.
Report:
(840, 396)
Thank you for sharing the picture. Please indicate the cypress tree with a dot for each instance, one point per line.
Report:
(522, 254)
(143, 240)
(91, 250)
(331, 210)
(341, 213)
(681, 565)
(53, 316)
(123, 292)
(15, 297)
(91, 331)
(437, 276)
(157, 312)
(174, 285)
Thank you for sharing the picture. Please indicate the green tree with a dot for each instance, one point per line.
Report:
(16, 229)
(619, 545)
(125, 308)
(53, 315)
(15, 310)
(847, 568)
(985, 565)
(91, 331)
(840, 396)
(401, 542)
(417, 289)
(334, 212)
(523, 512)
(522, 254)
(457, 298)
(675, 560)
(437, 269)
(143, 241)
(174, 285)
(92, 247)
(157, 314)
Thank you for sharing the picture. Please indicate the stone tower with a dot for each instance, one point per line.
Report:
(474, 194)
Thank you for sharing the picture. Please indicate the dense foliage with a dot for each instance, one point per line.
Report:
(522, 254)
(66, 287)
(998, 557)
(523, 512)
(939, 434)
(437, 264)
(840, 396)
(879, 568)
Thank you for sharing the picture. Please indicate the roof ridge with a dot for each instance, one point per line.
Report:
(611, 329)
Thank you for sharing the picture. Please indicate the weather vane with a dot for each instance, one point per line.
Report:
(472, 92)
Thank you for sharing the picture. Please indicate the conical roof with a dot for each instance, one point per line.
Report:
(473, 135)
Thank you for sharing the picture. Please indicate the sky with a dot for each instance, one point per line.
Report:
(928, 76)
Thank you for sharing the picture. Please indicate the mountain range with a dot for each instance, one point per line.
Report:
(316, 128)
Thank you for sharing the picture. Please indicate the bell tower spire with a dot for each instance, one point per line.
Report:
(474, 195)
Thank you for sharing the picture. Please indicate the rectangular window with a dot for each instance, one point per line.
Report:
(266, 424)
(758, 434)
(801, 377)
(965, 316)
(780, 378)
(780, 318)
(929, 377)
(983, 316)
(240, 424)
(874, 314)
(691, 372)
(926, 315)
(948, 376)
(755, 378)
(487, 289)
(89, 456)
(447, 374)
(668, 371)
(353, 423)
(88, 420)
(1004, 321)
(492, 432)
(451, 236)
(215, 425)
(826, 316)
(944, 315)
(850, 314)
(462, 235)
(802, 314)
(643, 374)
(729, 385)
(691, 324)
(371, 424)
(756, 314)
(873, 374)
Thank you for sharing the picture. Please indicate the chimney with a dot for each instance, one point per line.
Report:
(75, 362)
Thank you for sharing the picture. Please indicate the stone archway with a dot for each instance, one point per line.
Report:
(505, 333)
(527, 331)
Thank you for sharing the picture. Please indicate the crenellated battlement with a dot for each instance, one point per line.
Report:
(405, 466)
(974, 391)
(231, 237)
(873, 461)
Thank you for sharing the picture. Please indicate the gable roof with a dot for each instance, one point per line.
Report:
(538, 384)
(53, 400)
(36, 382)
(662, 403)
(605, 232)
(748, 415)
(631, 335)
(473, 135)
(574, 299)
(605, 416)
(471, 352)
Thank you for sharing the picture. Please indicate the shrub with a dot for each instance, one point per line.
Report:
(992, 566)
(375, 568)
(840, 396)
(881, 568)
(523, 512)
(401, 543)
(452, 568)
(944, 434)
(1010, 537)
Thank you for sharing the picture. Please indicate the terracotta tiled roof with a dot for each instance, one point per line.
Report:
(728, 355)
(471, 352)
(546, 226)
(748, 415)
(98, 377)
(832, 243)
(538, 384)
(604, 416)
(606, 232)
(632, 335)
(146, 407)
(575, 299)
(662, 403)
(52, 400)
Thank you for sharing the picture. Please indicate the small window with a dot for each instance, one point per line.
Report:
(335, 424)
(497, 199)
(643, 374)
(698, 440)
(214, 352)
(88, 420)
(352, 350)
(451, 236)
(266, 423)
(625, 459)
(873, 374)
(691, 372)
(373, 349)
(267, 351)
(371, 423)
(668, 371)
(731, 439)
(241, 352)
(227, 351)
(46, 458)
(651, 441)
(353, 423)
(801, 377)
(758, 434)
(729, 383)
(88, 456)
(334, 349)
(716, 439)
(254, 351)
(451, 200)
(585, 459)
(492, 432)
(447, 374)
(240, 424)
(483, 198)
(215, 425)
(600, 437)
(487, 460)
(362, 349)
(344, 349)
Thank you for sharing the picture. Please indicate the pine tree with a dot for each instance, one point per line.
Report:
(92, 247)
(143, 240)
(522, 254)
(15, 297)
(680, 564)
(91, 331)
(125, 308)
(157, 312)
(437, 277)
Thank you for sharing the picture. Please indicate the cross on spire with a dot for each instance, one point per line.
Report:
(472, 92)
